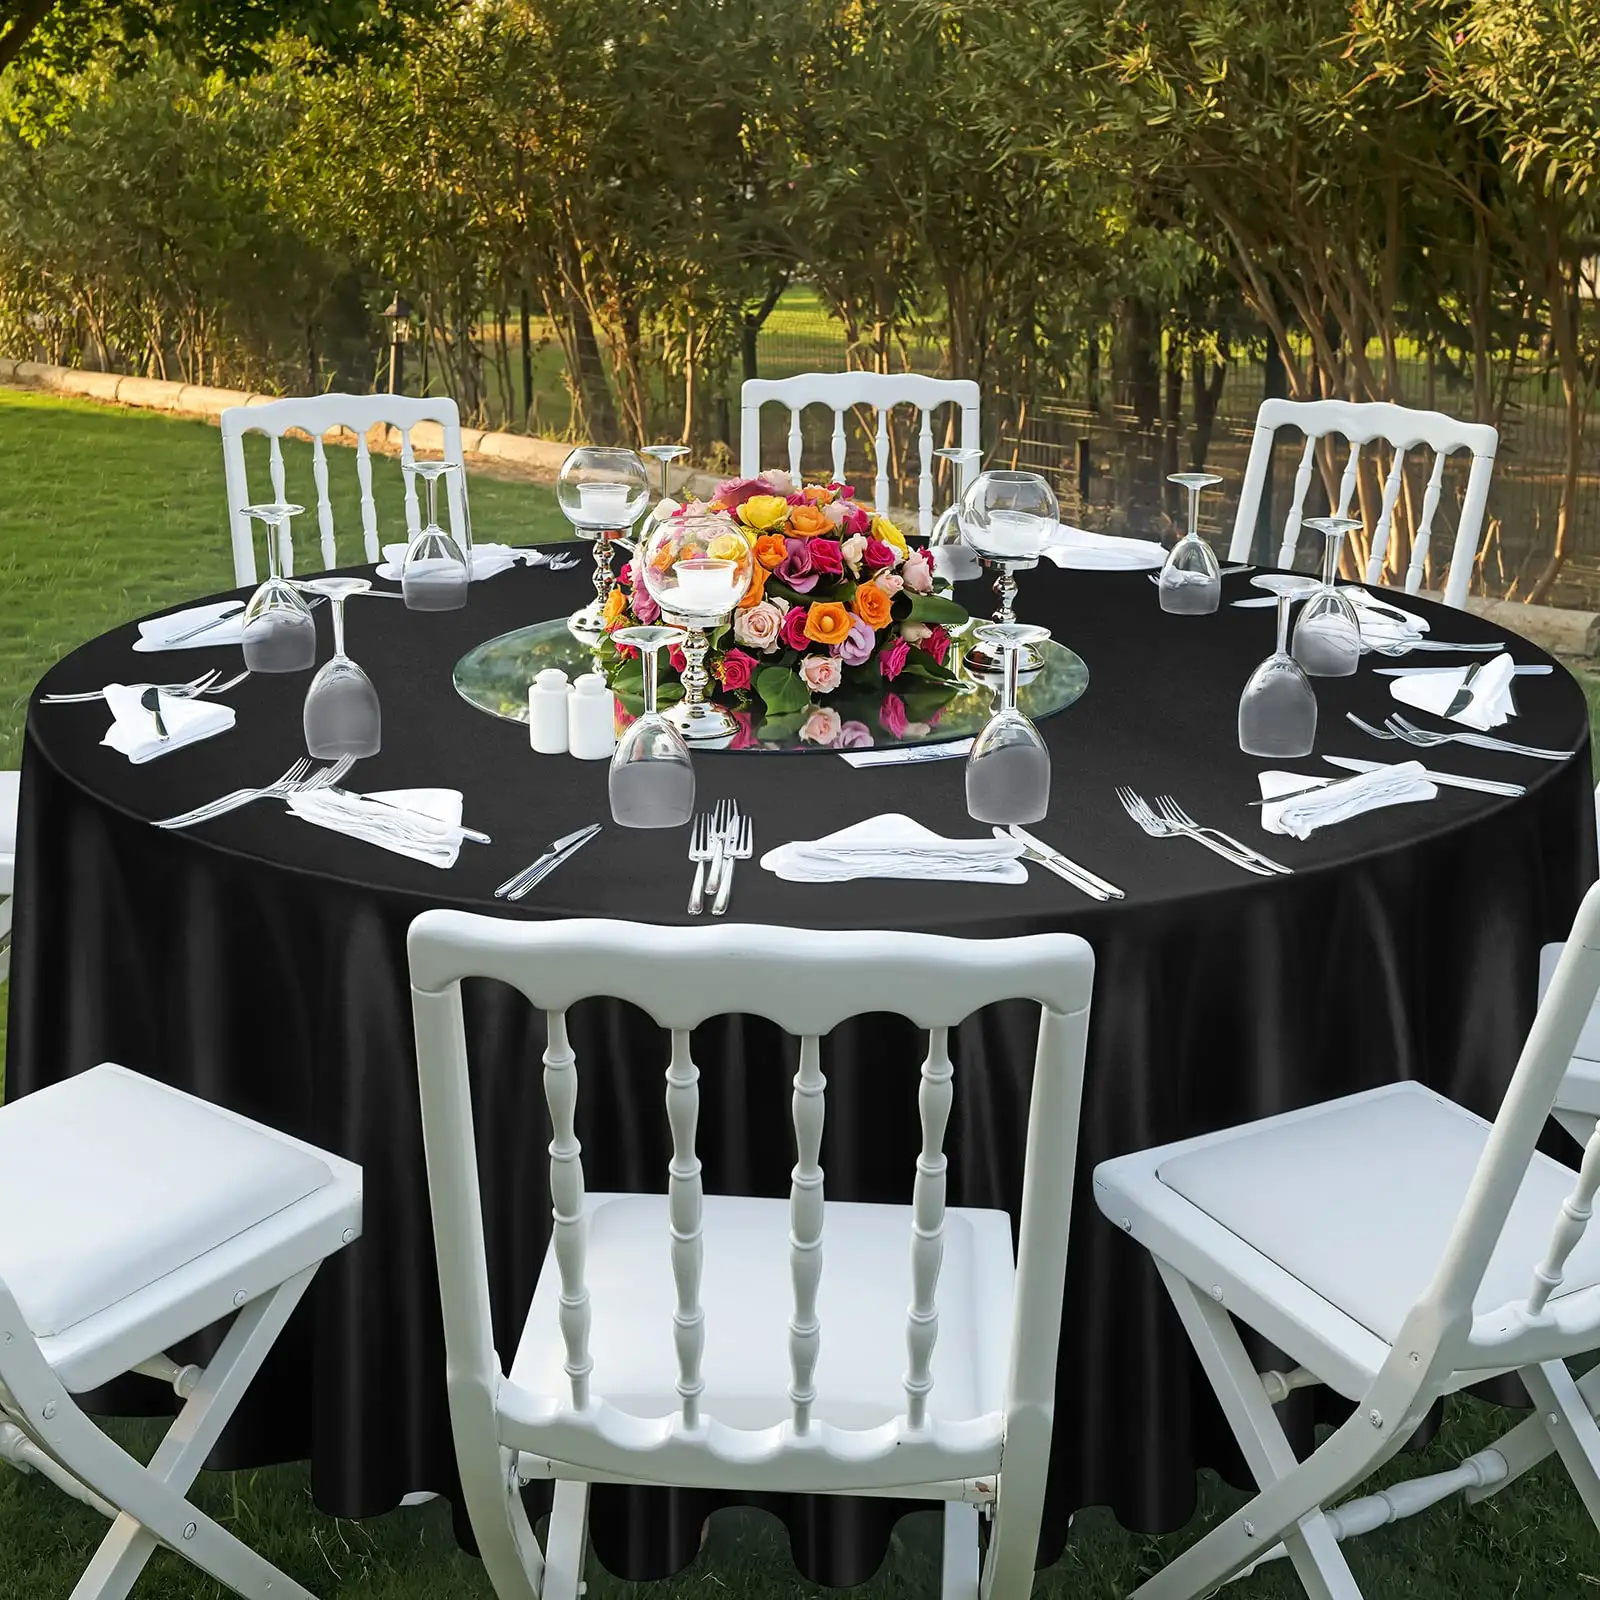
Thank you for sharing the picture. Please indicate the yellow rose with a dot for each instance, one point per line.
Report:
(883, 528)
(729, 546)
(763, 511)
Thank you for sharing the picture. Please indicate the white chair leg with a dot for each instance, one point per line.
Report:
(959, 1564)
(1527, 1444)
(1013, 1552)
(569, 1538)
(492, 1489)
(5, 936)
(1574, 1435)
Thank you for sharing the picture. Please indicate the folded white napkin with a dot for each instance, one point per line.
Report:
(1102, 552)
(1382, 622)
(894, 755)
(155, 634)
(893, 846)
(427, 827)
(487, 560)
(1338, 799)
(133, 729)
(1491, 693)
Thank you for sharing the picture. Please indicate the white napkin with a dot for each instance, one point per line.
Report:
(1339, 799)
(1491, 693)
(894, 755)
(1102, 552)
(487, 560)
(133, 729)
(428, 829)
(893, 846)
(1378, 626)
(154, 634)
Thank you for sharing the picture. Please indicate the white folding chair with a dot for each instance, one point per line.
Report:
(703, 1340)
(136, 1216)
(1577, 1106)
(1360, 424)
(319, 415)
(1396, 1248)
(10, 792)
(883, 391)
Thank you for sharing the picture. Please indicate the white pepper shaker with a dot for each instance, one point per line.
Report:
(591, 719)
(547, 712)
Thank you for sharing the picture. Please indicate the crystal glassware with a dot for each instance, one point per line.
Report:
(697, 570)
(1191, 580)
(1327, 635)
(1278, 709)
(435, 576)
(602, 492)
(1008, 768)
(278, 632)
(1006, 518)
(341, 717)
(947, 528)
(652, 775)
(664, 455)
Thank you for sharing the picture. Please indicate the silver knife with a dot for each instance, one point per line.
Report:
(533, 879)
(1447, 780)
(1540, 671)
(557, 846)
(1062, 865)
(1463, 696)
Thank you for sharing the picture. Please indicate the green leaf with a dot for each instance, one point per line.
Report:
(781, 691)
(932, 608)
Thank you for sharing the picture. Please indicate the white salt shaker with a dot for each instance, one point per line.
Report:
(547, 712)
(591, 719)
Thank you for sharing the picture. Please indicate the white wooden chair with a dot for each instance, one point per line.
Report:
(1577, 1106)
(319, 415)
(1397, 1248)
(840, 391)
(10, 790)
(136, 1216)
(1361, 424)
(705, 1340)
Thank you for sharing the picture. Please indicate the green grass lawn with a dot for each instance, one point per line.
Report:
(107, 514)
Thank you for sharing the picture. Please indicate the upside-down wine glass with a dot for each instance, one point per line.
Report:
(1008, 768)
(1007, 518)
(947, 528)
(1278, 709)
(652, 775)
(664, 455)
(602, 492)
(1327, 636)
(278, 633)
(342, 716)
(1191, 580)
(435, 576)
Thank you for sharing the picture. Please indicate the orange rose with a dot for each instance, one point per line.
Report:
(873, 606)
(616, 604)
(758, 583)
(816, 495)
(804, 521)
(770, 549)
(827, 622)
(666, 555)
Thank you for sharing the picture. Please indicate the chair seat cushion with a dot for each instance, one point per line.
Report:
(10, 796)
(748, 1298)
(1357, 1198)
(109, 1181)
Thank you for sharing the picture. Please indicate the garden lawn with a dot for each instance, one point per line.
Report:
(107, 514)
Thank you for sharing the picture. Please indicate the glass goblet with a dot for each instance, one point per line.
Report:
(1191, 580)
(602, 492)
(1007, 518)
(947, 529)
(665, 455)
(435, 576)
(342, 716)
(1278, 709)
(278, 633)
(1008, 769)
(1327, 636)
(652, 774)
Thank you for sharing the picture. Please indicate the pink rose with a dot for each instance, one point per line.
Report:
(736, 670)
(793, 631)
(858, 644)
(745, 737)
(645, 607)
(878, 555)
(890, 582)
(937, 644)
(626, 575)
(795, 499)
(918, 572)
(856, 520)
(822, 726)
(676, 658)
(796, 569)
(892, 715)
(844, 491)
(892, 660)
(854, 736)
(820, 674)
(758, 626)
(834, 512)
(733, 493)
(852, 550)
(825, 557)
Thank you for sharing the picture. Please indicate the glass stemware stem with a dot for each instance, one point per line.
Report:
(1285, 603)
(338, 624)
(1013, 672)
(650, 663)
(1331, 543)
(1194, 511)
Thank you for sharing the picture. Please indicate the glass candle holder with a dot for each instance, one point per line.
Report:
(1006, 518)
(602, 492)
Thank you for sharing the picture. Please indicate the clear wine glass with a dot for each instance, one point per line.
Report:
(665, 455)
(1008, 769)
(1191, 580)
(1278, 709)
(947, 529)
(1007, 518)
(652, 774)
(341, 717)
(602, 492)
(278, 633)
(435, 576)
(1327, 636)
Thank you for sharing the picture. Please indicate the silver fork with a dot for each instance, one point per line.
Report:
(178, 690)
(1426, 738)
(1160, 828)
(700, 854)
(736, 851)
(294, 781)
(1367, 727)
(1173, 812)
(724, 820)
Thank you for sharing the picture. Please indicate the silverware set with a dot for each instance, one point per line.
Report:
(1052, 860)
(1168, 820)
(298, 779)
(1445, 780)
(1224, 572)
(1407, 732)
(206, 683)
(519, 883)
(718, 840)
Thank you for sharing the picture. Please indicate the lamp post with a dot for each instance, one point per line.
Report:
(398, 312)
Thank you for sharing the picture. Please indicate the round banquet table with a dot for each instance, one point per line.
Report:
(260, 962)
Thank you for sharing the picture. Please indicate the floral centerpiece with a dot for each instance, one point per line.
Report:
(839, 612)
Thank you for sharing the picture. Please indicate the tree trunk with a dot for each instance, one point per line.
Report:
(1174, 418)
(1565, 310)
(527, 356)
(1207, 396)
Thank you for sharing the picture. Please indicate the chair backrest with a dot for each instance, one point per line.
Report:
(807, 983)
(318, 415)
(883, 391)
(1360, 424)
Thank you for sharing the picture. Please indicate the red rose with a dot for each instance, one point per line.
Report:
(736, 670)
(856, 519)
(892, 715)
(676, 657)
(892, 660)
(937, 644)
(626, 575)
(793, 631)
(877, 553)
(825, 557)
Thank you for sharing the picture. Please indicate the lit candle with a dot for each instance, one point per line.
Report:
(706, 587)
(605, 505)
(1016, 534)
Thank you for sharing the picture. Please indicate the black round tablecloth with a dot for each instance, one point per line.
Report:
(260, 962)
